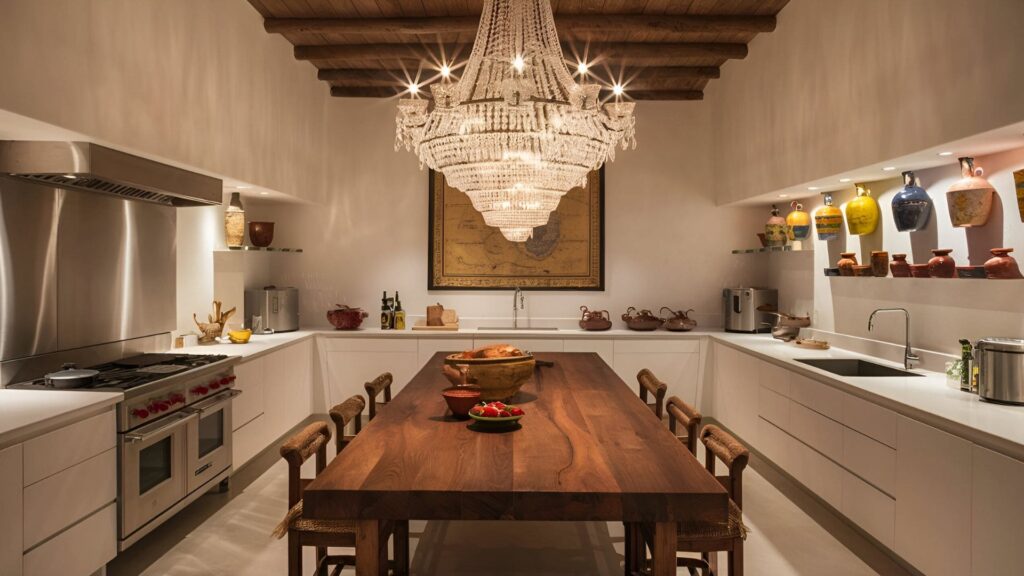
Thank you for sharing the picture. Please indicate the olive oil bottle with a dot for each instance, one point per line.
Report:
(399, 314)
(385, 312)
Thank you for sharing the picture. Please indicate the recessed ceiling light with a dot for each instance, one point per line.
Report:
(844, 180)
(889, 168)
(812, 188)
(617, 89)
(518, 63)
(446, 70)
(945, 153)
(582, 67)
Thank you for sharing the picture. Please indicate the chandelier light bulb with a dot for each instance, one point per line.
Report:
(414, 88)
(446, 71)
(582, 67)
(617, 89)
(518, 63)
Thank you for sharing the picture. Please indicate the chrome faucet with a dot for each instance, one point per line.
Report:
(909, 358)
(518, 303)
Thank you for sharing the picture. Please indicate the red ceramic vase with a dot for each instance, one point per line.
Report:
(942, 264)
(1002, 266)
(899, 266)
(846, 263)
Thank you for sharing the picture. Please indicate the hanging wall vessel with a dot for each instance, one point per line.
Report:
(234, 221)
(775, 229)
(798, 222)
(911, 207)
(1018, 182)
(862, 213)
(970, 197)
(828, 220)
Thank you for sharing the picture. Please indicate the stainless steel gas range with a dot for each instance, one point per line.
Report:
(174, 432)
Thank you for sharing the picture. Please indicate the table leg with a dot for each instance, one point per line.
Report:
(664, 549)
(370, 547)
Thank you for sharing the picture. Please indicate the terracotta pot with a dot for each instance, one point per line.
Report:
(798, 222)
(345, 318)
(862, 270)
(595, 320)
(942, 264)
(775, 229)
(643, 320)
(911, 207)
(862, 213)
(880, 263)
(1002, 266)
(678, 320)
(828, 220)
(899, 266)
(261, 234)
(919, 271)
(970, 197)
(846, 263)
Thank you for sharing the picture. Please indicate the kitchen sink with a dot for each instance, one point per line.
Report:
(511, 328)
(854, 367)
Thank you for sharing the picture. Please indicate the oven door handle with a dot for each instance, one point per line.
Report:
(145, 433)
(210, 404)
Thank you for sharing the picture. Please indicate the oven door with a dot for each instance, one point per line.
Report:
(209, 439)
(153, 474)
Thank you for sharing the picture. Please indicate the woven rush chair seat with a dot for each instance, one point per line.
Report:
(733, 528)
(295, 521)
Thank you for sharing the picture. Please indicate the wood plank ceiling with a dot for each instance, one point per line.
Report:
(657, 49)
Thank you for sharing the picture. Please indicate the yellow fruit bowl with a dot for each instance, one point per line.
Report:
(239, 336)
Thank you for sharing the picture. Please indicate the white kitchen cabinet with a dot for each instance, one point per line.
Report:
(61, 449)
(820, 474)
(817, 431)
(348, 363)
(80, 550)
(250, 381)
(288, 387)
(773, 407)
(736, 392)
(427, 347)
(59, 501)
(603, 348)
(933, 499)
(869, 419)
(871, 509)
(248, 441)
(674, 362)
(11, 510)
(527, 344)
(821, 398)
(869, 459)
(997, 503)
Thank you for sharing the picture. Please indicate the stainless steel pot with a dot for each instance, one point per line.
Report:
(71, 377)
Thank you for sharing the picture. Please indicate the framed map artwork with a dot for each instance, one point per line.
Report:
(565, 254)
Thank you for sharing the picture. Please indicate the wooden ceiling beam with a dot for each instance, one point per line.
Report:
(648, 77)
(627, 53)
(380, 92)
(569, 25)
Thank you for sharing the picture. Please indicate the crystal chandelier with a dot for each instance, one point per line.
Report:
(515, 133)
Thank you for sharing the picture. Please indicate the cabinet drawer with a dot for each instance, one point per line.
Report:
(869, 459)
(871, 509)
(819, 397)
(67, 446)
(66, 497)
(775, 378)
(817, 431)
(79, 551)
(773, 407)
(822, 476)
(10, 510)
(657, 346)
(249, 440)
(368, 344)
(603, 348)
(250, 380)
(870, 419)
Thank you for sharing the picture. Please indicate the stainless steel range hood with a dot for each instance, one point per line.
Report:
(94, 168)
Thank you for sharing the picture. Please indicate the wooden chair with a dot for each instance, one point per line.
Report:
(350, 410)
(711, 538)
(374, 388)
(649, 384)
(679, 412)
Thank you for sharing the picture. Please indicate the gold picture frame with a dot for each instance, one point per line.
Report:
(566, 254)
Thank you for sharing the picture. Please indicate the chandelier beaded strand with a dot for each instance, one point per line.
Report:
(515, 133)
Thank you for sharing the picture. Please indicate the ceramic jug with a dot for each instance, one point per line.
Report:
(970, 197)
(1002, 266)
(1018, 182)
(775, 229)
(847, 260)
(798, 222)
(899, 266)
(862, 213)
(942, 264)
(911, 207)
(828, 220)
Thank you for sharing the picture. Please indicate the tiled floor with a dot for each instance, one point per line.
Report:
(229, 534)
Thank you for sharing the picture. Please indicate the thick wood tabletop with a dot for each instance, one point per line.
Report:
(588, 449)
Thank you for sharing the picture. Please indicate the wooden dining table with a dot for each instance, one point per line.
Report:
(587, 450)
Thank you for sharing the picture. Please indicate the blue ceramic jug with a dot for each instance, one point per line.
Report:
(911, 207)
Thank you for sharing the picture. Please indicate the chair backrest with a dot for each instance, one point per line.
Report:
(721, 445)
(682, 413)
(350, 410)
(375, 387)
(649, 383)
(311, 440)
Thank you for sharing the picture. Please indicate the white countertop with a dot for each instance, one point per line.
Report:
(257, 345)
(27, 413)
(520, 333)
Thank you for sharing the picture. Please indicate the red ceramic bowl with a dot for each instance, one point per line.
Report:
(461, 398)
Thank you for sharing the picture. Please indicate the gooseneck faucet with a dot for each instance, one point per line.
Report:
(518, 303)
(909, 358)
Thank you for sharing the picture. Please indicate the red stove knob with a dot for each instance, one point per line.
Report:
(162, 406)
(214, 385)
(224, 380)
(140, 413)
(232, 378)
(200, 390)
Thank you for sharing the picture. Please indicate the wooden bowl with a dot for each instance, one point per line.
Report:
(498, 378)
(461, 398)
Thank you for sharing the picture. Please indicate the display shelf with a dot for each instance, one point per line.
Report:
(764, 249)
(259, 249)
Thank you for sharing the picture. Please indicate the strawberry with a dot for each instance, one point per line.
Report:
(504, 414)
(498, 405)
(477, 410)
(490, 412)
(515, 411)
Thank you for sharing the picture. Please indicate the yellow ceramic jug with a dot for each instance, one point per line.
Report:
(828, 220)
(862, 213)
(798, 222)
